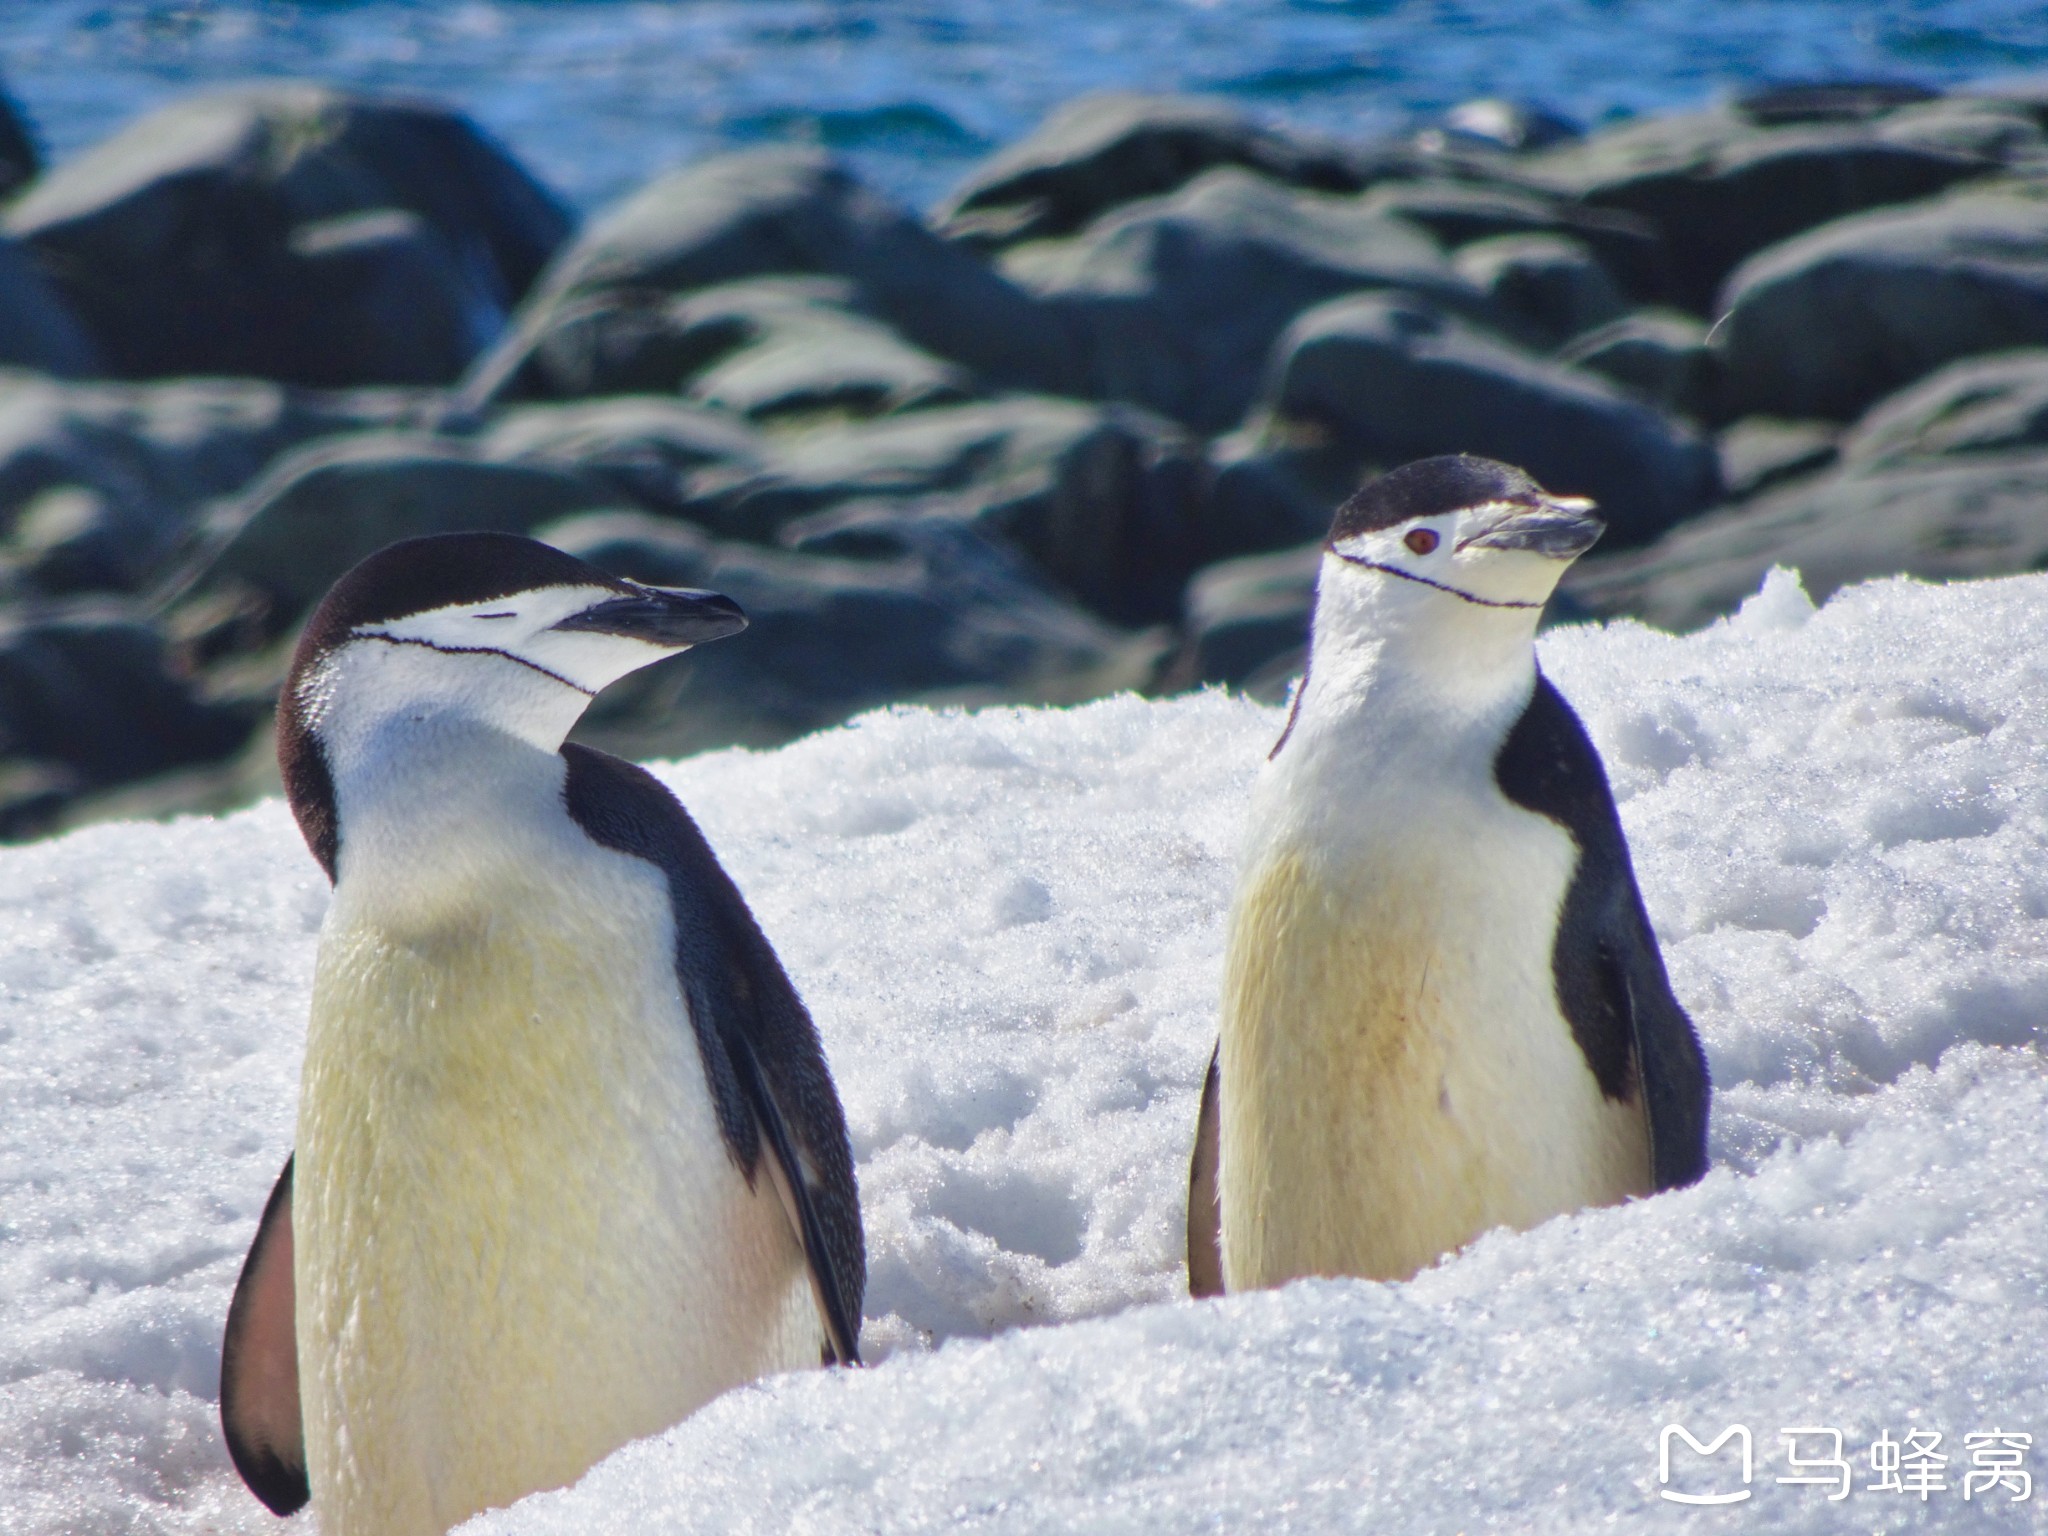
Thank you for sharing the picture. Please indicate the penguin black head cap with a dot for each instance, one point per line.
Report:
(480, 599)
(1465, 526)
(1430, 488)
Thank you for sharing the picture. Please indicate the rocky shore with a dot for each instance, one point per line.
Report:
(1073, 431)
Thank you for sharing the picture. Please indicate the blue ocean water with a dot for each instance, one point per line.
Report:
(598, 95)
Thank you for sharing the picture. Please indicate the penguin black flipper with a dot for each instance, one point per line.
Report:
(1609, 975)
(1205, 1206)
(259, 1365)
(760, 1050)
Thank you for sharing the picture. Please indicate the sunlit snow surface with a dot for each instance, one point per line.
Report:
(1008, 926)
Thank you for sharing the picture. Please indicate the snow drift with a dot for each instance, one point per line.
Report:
(1009, 925)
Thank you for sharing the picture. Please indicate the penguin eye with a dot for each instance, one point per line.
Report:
(1421, 540)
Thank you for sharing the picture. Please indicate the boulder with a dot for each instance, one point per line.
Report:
(1460, 212)
(789, 211)
(1990, 404)
(37, 329)
(1829, 101)
(1939, 520)
(200, 239)
(1107, 501)
(1100, 152)
(663, 454)
(1247, 623)
(20, 161)
(92, 687)
(764, 347)
(1759, 452)
(1497, 123)
(1548, 287)
(1661, 355)
(940, 614)
(1396, 379)
(1277, 481)
(1722, 188)
(1180, 298)
(98, 482)
(616, 341)
(2005, 131)
(389, 301)
(805, 355)
(321, 509)
(1829, 323)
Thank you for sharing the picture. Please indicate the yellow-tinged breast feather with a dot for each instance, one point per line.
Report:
(1396, 1075)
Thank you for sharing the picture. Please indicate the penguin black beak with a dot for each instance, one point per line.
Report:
(1559, 527)
(667, 616)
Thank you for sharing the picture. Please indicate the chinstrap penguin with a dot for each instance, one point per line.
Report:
(1443, 1006)
(569, 1160)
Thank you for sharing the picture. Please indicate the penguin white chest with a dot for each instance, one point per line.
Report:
(1397, 1076)
(519, 1238)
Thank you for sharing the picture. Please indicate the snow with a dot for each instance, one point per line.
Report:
(1008, 924)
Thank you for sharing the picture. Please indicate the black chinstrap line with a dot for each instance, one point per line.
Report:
(1395, 570)
(478, 650)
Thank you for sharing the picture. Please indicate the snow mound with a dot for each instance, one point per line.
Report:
(1008, 925)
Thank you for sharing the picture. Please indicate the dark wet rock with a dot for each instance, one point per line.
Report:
(798, 211)
(1940, 520)
(1277, 481)
(771, 347)
(321, 509)
(830, 366)
(1247, 622)
(1722, 188)
(1460, 212)
(37, 329)
(72, 539)
(2005, 131)
(1101, 152)
(1827, 324)
(1987, 404)
(1393, 379)
(200, 239)
(805, 354)
(617, 341)
(20, 160)
(93, 688)
(394, 302)
(1829, 101)
(98, 482)
(1549, 287)
(2025, 92)
(34, 797)
(1180, 298)
(1107, 501)
(1511, 125)
(664, 454)
(1759, 452)
(939, 614)
(1659, 354)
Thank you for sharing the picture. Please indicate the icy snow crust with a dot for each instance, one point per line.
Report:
(1008, 925)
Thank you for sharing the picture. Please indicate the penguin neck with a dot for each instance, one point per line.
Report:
(434, 798)
(441, 764)
(1409, 694)
(1395, 656)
